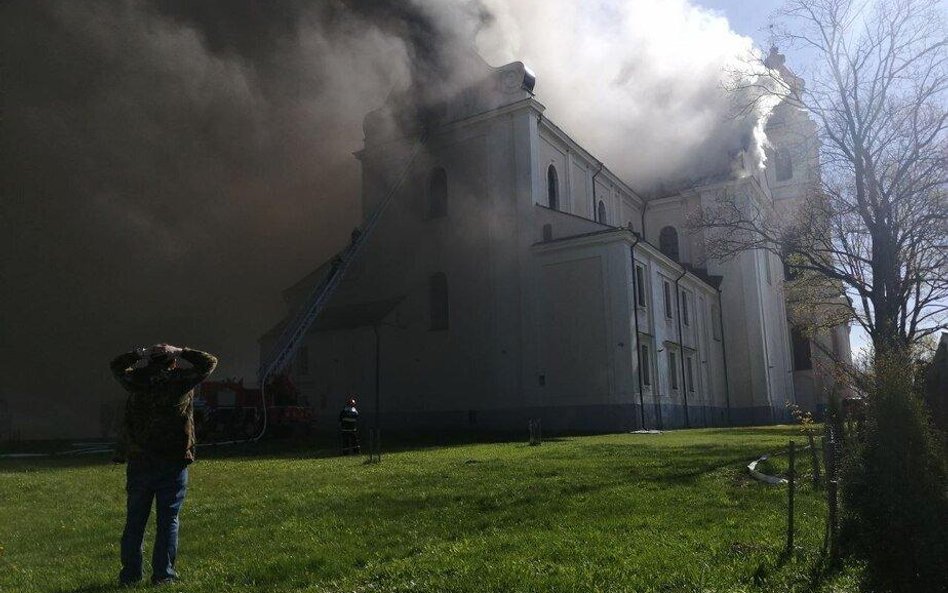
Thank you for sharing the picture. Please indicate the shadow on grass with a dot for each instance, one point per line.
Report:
(99, 588)
(325, 445)
(813, 574)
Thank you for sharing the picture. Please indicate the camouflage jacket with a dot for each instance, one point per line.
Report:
(159, 411)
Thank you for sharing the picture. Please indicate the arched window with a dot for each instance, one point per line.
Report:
(601, 212)
(553, 188)
(783, 165)
(668, 242)
(802, 360)
(438, 300)
(438, 193)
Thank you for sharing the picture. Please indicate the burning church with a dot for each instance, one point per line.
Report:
(504, 273)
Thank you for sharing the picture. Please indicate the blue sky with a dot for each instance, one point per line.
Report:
(748, 17)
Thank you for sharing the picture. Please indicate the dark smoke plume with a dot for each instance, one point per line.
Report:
(169, 167)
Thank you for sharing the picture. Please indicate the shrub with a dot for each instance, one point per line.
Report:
(894, 491)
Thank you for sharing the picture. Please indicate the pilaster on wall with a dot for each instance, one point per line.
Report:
(527, 186)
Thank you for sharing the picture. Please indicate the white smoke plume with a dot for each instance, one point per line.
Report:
(641, 84)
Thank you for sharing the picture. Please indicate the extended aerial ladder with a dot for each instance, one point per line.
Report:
(294, 333)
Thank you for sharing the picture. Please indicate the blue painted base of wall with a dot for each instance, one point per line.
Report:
(577, 419)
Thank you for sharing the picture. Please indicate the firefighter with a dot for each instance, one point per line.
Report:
(349, 427)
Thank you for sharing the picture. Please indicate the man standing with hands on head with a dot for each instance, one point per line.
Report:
(157, 440)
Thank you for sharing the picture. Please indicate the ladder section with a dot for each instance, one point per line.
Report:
(294, 333)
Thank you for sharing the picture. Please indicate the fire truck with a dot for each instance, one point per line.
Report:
(228, 410)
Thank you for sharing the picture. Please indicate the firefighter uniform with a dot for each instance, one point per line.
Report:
(349, 428)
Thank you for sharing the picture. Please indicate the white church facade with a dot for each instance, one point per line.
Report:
(514, 276)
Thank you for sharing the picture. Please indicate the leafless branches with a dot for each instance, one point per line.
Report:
(874, 223)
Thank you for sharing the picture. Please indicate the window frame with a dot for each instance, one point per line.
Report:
(664, 237)
(685, 310)
(690, 373)
(641, 295)
(672, 370)
(667, 293)
(801, 350)
(552, 188)
(601, 212)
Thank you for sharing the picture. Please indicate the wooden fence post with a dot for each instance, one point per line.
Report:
(790, 486)
(815, 459)
(375, 446)
(536, 431)
(832, 483)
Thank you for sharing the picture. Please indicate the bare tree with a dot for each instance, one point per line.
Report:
(873, 226)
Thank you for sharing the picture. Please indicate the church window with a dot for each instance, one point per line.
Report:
(601, 213)
(553, 188)
(668, 242)
(640, 286)
(690, 373)
(646, 366)
(685, 315)
(548, 232)
(673, 369)
(783, 165)
(438, 193)
(438, 301)
(666, 287)
(802, 360)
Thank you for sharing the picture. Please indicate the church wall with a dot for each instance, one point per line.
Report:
(658, 330)
(758, 342)
(668, 212)
(473, 365)
(744, 345)
(630, 215)
(556, 154)
(813, 386)
(793, 134)
(581, 188)
(538, 329)
(584, 181)
(573, 354)
(586, 369)
(561, 224)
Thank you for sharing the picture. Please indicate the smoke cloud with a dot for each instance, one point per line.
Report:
(640, 84)
(170, 166)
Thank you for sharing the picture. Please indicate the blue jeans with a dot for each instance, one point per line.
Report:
(166, 482)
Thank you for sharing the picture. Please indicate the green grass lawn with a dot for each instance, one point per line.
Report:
(625, 512)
